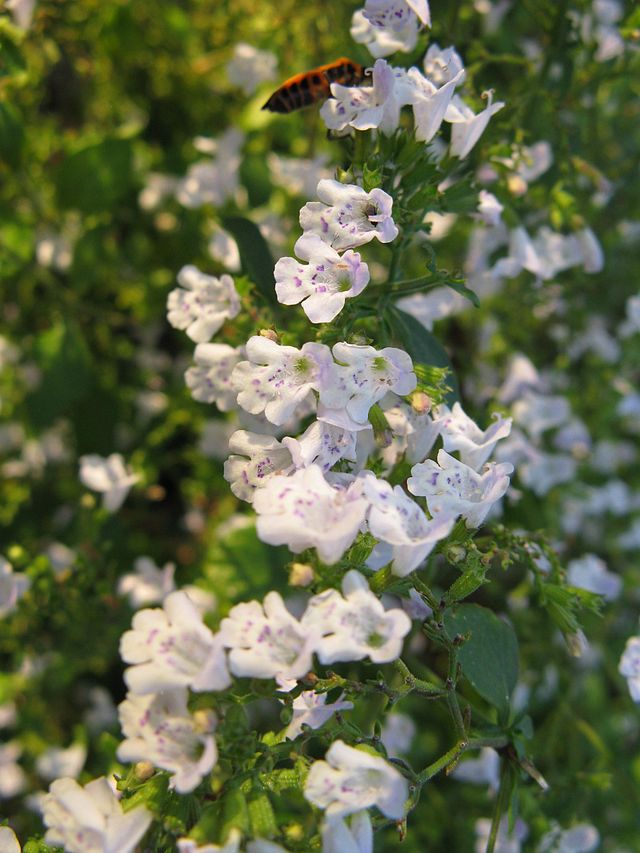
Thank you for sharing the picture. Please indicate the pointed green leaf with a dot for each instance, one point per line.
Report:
(256, 258)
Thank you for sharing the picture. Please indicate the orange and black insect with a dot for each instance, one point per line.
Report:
(313, 86)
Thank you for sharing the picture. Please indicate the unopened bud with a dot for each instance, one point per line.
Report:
(204, 721)
(576, 643)
(420, 402)
(456, 553)
(301, 574)
(144, 770)
(270, 334)
(517, 186)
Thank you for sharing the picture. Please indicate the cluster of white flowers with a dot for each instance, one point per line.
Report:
(431, 96)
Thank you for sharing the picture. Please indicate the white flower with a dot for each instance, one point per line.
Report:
(581, 838)
(21, 11)
(255, 459)
(382, 42)
(322, 444)
(631, 325)
(202, 303)
(102, 713)
(12, 587)
(453, 488)
(537, 413)
(630, 666)
(231, 845)
(249, 67)
(592, 254)
(489, 208)
(466, 126)
(266, 641)
(398, 521)
(224, 249)
(13, 779)
(157, 188)
(55, 762)
(305, 511)
(484, 770)
(325, 283)
(148, 584)
(393, 14)
(173, 648)
(397, 733)
(299, 176)
(160, 729)
(460, 432)
(442, 65)
(90, 819)
(278, 379)
(346, 216)
(590, 573)
(210, 378)
(352, 836)
(521, 376)
(355, 624)
(361, 377)
(351, 780)
(109, 476)
(311, 709)
(215, 180)
(414, 433)
(8, 841)
(430, 103)
(54, 251)
(367, 107)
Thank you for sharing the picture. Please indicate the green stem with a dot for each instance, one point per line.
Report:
(499, 808)
(444, 761)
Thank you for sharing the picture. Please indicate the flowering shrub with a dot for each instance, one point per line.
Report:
(320, 459)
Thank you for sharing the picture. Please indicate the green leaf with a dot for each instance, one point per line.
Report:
(460, 198)
(235, 813)
(460, 288)
(95, 178)
(421, 345)
(256, 258)
(64, 360)
(11, 59)
(11, 135)
(489, 659)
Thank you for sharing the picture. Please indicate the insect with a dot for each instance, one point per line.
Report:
(308, 88)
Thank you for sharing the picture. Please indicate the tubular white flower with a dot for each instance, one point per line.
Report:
(266, 641)
(255, 458)
(90, 818)
(148, 584)
(325, 283)
(367, 107)
(311, 709)
(382, 42)
(429, 102)
(305, 511)
(12, 587)
(209, 380)
(630, 666)
(537, 413)
(277, 379)
(249, 67)
(202, 303)
(172, 648)
(160, 729)
(351, 780)
(346, 216)
(441, 65)
(394, 14)
(414, 433)
(355, 624)
(466, 126)
(396, 519)
(109, 476)
(361, 377)
(462, 433)
(322, 444)
(453, 488)
(354, 836)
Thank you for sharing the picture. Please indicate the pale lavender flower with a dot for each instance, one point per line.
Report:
(441, 65)
(148, 584)
(160, 729)
(109, 476)
(209, 380)
(367, 107)
(346, 216)
(590, 572)
(351, 780)
(202, 303)
(354, 835)
(249, 67)
(629, 666)
(382, 42)
(394, 14)
(460, 432)
(12, 587)
(466, 126)
(322, 444)
(255, 459)
(324, 283)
